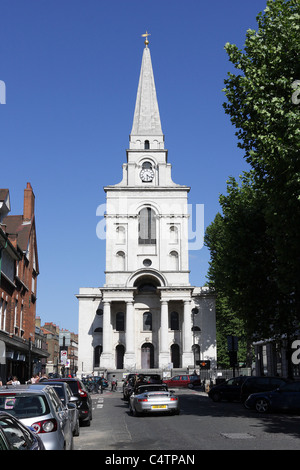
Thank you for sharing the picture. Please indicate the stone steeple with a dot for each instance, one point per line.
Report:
(146, 121)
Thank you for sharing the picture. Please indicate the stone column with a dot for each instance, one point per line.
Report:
(164, 355)
(187, 337)
(129, 357)
(106, 358)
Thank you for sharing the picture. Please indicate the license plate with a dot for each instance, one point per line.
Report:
(159, 406)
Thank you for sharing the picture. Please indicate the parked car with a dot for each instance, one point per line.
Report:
(183, 381)
(39, 407)
(69, 401)
(284, 398)
(84, 403)
(153, 398)
(15, 436)
(229, 390)
(260, 384)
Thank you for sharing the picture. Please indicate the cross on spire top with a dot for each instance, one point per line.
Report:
(146, 36)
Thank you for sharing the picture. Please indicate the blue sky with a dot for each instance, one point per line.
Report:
(71, 70)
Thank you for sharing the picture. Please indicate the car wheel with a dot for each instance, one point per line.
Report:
(135, 413)
(190, 386)
(216, 397)
(262, 405)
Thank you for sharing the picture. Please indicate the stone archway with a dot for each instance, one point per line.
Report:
(175, 356)
(120, 351)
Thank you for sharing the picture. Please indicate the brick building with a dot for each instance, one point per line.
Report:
(19, 270)
(59, 340)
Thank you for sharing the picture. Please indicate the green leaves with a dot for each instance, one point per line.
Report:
(254, 242)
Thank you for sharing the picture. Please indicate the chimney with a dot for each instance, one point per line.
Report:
(28, 211)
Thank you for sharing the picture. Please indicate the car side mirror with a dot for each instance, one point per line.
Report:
(71, 406)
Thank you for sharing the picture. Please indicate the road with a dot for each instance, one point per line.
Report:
(201, 425)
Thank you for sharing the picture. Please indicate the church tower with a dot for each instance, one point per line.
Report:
(145, 316)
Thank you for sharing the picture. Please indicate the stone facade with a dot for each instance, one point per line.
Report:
(144, 316)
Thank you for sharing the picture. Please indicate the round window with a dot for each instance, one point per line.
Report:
(147, 262)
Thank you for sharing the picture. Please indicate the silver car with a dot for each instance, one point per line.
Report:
(153, 398)
(40, 408)
(69, 401)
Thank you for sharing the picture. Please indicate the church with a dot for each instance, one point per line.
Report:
(147, 315)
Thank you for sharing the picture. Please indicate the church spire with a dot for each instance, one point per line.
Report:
(146, 121)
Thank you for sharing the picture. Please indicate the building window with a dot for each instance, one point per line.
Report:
(120, 260)
(174, 261)
(120, 234)
(147, 226)
(147, 144)
(174, 321)
(147, 262)
(120, 321)
(147, 321)
(173, 234)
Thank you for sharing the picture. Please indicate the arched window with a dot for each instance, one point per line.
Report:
(147, 165)
(97, 354)
(120, 321)
(120, 260)
(99, 329)
(120, 234)
(174, 261)
(174, 321)
(147, 226)
(147, 144)
(147, 321)
(173, 234)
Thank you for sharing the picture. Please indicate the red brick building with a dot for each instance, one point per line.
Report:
(19, 270)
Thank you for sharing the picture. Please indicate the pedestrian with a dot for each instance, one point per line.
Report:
(14, 381)
(113, 384)
(101, 383)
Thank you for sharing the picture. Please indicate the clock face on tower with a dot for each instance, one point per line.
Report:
(147, 175)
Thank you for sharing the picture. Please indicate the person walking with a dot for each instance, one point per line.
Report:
(102, 384)
(113, 384)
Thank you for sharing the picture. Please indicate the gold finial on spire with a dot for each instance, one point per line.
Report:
(146, 36)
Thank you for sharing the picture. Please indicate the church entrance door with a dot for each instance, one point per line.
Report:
(175, 356)
(147, 359)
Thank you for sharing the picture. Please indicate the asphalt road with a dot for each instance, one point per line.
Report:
(201, 425)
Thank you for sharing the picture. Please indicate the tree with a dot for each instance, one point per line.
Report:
(254, 243)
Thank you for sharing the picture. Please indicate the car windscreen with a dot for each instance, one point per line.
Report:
(73, 386)
(24, 406)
